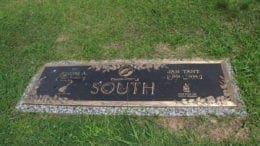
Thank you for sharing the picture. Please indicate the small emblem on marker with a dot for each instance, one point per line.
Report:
(126, 70)
(186, 88)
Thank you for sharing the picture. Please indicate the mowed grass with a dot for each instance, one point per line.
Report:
(36, 32)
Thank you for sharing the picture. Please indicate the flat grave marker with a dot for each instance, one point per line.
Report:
(140, 87)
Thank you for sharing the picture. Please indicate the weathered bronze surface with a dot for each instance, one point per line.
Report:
(134, 83)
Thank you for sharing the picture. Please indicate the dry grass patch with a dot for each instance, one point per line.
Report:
(62, 38)
(227, 129)
(213, 128)
(183, 50)
(167, 51)
(174, 124)
(163, 49)
(223, 128)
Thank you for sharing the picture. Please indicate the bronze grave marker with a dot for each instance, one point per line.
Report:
(142, 87)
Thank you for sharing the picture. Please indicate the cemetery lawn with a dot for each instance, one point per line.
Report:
(33, 33)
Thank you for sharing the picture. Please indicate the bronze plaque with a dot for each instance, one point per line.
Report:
(140, 83)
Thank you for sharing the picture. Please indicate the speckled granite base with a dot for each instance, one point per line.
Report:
(135, 110)
(149, 111)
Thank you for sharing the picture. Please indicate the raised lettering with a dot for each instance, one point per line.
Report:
(135, 84)
(120, 88)
(95, 87)
(145, 88)
(108, 88)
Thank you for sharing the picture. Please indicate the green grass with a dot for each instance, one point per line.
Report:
(35, 32)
